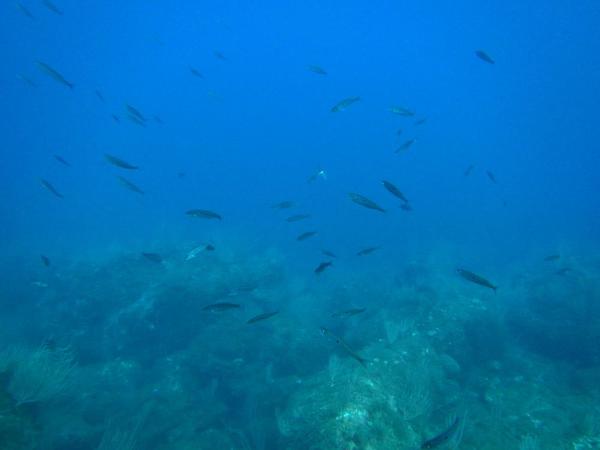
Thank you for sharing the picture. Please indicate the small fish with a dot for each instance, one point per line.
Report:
(116, 118)
(349, 312)
(328, 253)
(406, 207)
(420, 121)
(62, 160)
(24, 10)
(220, 56)
(469, 170)
(118, 162)
(284, 205)
(317, 69)
(51, 188)
(52, 7)
(364, 201)
(297, 217)
(158, 120)
(474, 278)
(154, 257)
(563, 271)
(180, 175)
(263, 316)
(491, 176)
(321, 267)
(203, 214)
(406, 145)
(28, 81)
(319, 174)
(195, 72)
(54, 74)
(45, 260)
(441, 438)
(392, 189)
(221, 306)
(306, 235)
(39, 284)
(135, 112)
(129, 185)
(367, 251)
(135, 119)
(554, 257)
(194, 252)
(484, 57)
(99, 95)
(401, 111)
(338, 340)
(342, 105)
(399, 132)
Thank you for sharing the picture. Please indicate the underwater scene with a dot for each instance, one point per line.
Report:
(337, 225)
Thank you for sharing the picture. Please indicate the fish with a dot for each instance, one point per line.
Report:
(474, 278)
(39, 284)
(263, 316)
(24, 10)
(392, 189)
(194, 252)
(420, 121)
(133, 111)
(406, 145)
(118, 162)
(328, 253)
(28, 81)
(349, 312)
(401, 111)
(52, 7)
(136, 120)
(203, 214)
(129, 185)
(99, 95)
(364, 201)
(399, 132)
(51, 188)
(554, 257)
(116, 118)
(54, 74)
(318, 174)
(158, 120)
(321, 267)
(154, 257)
(491, 176)
(284, 205)
(62, 160)
(306, 235)
(343, 104)
(563, 271)
(317, 69)
(195, 72)
(221, 306)
(484, 57)
(406, 207)
(297, 217)
(45, 260)
(469, 170)
(367, 251)
(220, 56)
(338, 340)
(443, 437)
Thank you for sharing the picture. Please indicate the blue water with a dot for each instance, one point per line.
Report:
(250, 133)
